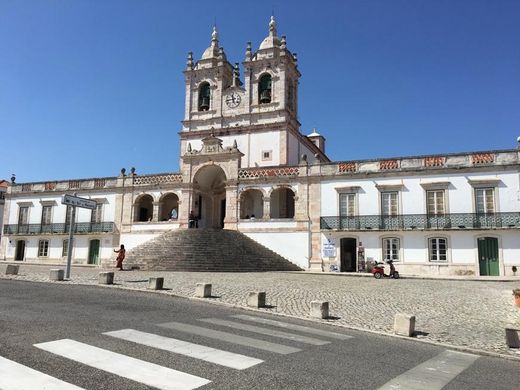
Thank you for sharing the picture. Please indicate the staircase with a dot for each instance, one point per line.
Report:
(206, 250)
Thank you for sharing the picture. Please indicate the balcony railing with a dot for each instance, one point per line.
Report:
(59, 228)
(422, 222)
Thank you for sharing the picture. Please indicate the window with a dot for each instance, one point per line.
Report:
(43, 248)
(23, 215)
(65, 248)
(46, 215)
(485, 200)
(435, 202)
(97, 215)
(438, 248)
(266, 155)
(389, 203)
(264, 89)
(391, 248)
(347, 205)
(204, 97)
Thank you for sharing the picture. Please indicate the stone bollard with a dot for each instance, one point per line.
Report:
(155, 283)
(203, 290)
(404, 324)
(56, 275)
(512, 339)
(12, 269)
(106, 278)
(256, 299)
(319, 309)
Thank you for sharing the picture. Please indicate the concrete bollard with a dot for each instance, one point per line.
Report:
(319, 309)
(12, 269)
(404, 324)
(106, 278)
(256, 299)
(56, 275)
(155, 283)
(512, 339)
(203, 290)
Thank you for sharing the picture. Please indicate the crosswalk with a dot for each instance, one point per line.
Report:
(433, 374)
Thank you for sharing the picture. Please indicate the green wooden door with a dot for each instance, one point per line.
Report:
(488, 256)
(93, 252)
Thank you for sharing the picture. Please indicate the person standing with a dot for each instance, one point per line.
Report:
(120, 257)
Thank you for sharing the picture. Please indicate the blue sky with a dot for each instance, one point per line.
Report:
(90, 86)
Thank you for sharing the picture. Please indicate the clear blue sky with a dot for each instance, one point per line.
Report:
(90, 86)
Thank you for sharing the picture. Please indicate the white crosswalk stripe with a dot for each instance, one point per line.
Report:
(125, 366)
(230, 338)
(265, 331)
(434, 373)
(212, 355)
(16, 376)
(287, 325)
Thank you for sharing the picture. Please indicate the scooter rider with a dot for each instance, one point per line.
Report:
(392, 268)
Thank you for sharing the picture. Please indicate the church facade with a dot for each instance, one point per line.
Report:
(246, 166)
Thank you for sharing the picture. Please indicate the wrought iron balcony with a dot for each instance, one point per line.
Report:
(58, 228)
(422, 222)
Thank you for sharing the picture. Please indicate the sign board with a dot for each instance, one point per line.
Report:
(328, 247)
(78, 202)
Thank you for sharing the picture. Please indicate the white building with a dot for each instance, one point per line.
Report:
(246, 166)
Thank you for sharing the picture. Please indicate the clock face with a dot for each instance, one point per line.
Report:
(233, 100)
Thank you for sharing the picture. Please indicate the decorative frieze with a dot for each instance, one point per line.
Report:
(347, 167)
(74, 184)
(434, 161)
(158, 179)
(253, 173)
(482, 158)
(388, 164)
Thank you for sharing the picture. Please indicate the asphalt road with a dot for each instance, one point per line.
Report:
(301, 358)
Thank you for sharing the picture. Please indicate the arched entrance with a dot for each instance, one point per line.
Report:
(209, 197)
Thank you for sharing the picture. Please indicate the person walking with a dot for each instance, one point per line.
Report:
(120, 257)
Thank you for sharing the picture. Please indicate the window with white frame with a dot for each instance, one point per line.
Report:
(266, 155)
(347, 205)
(23, 215)
(438, 249)
(97, 215)
(391, 247)
(65, 248)
(43, 248)
(46, 215)
(485, 200)
(435, 202)
(389, 203)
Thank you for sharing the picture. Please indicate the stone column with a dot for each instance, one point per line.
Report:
(156, 208)
(185, 203)
(231, 218)
(267, 207)
(315, 262)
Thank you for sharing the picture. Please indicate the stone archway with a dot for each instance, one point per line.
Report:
(209, 196)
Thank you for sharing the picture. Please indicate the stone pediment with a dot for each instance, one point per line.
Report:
(212, 145)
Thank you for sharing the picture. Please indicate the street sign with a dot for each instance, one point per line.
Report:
(78, 202)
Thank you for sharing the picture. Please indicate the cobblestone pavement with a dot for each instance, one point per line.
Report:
(470, 314)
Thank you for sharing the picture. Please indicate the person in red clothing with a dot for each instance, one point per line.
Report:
(120, 257)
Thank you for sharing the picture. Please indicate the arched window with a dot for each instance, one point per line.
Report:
(169, 207)
(264, 89)
(143, 208)
(204, 96)
(282, 203)
(251, 204)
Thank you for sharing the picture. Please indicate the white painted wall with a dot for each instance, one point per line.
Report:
(293, 246)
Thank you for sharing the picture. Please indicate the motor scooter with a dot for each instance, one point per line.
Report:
(379, 270)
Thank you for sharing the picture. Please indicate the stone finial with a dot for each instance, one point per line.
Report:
(123, 171)
(214, 35)
(283, 42)
(13, 178)
(221, 53)
(132, 170)
(248, 51)
(189, 147)
(295, 57)
(189, 61)
(235, 146)
(272, 27)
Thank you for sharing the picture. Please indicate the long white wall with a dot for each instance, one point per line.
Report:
(293, 246)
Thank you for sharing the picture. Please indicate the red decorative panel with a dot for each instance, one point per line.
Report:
(482, 158)
(74, 183)
(49, 186)
(347, 167)
(437, 161)
(388, 164)
(268, 172)
(99, 183)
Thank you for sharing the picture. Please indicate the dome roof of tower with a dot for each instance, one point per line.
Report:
(271, 40)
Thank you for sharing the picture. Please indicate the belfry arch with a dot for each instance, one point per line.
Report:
(208, 201)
